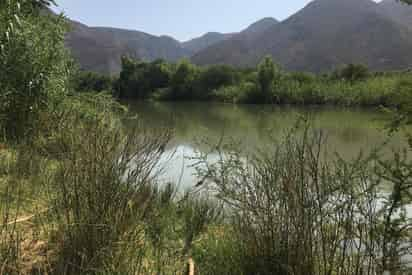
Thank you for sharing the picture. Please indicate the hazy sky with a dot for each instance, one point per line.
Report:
(182, 19)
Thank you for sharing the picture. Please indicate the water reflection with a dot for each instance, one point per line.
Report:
(348, 131)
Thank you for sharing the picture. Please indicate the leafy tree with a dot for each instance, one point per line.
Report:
(269, 75)
(214, 77)
(92, 82)
(158, 74)
(182, 82)
(352, 72)
(129, 84)
(140, 79)
(303, 77)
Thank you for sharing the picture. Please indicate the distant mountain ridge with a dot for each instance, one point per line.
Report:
(100, 49)
(200, 43)
(321, 36)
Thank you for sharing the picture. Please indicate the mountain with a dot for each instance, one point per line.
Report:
(397, 11)
(198, 44)
(100, 49)
(236, 50)
(212, 38)
(323, 35)
(259, 27)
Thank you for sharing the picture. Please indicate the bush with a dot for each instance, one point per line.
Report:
(92, 82)
(34, 66)
(100, 188)
(245, 92)
(295, 212)
(352, 72)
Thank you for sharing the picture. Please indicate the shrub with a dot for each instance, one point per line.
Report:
(296, 212)
(34, 66)
(92, 82)
(100, 190)
(245, 92)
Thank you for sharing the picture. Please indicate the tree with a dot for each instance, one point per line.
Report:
(352, 72)
(182, 82)
(213, 78)
(140, 79)
(92, 82)
(269, 75)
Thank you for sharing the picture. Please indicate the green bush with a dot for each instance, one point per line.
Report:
(296, 211)
(100, 190)
(352, 85)
(34, 67)
(245, 92)
(92, 82)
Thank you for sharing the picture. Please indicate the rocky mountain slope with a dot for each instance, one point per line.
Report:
(323, 35)
(100, 49)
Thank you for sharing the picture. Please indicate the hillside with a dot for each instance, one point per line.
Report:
(397, 11)
(317, 38)
(200, 43)
(320, 37)
(100, 49)
(239, 49)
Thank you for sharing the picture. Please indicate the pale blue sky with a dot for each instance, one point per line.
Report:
(182, 19)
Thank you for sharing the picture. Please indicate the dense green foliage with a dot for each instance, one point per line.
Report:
(92, 82)
(351, 85)
(182, 81)
(138, 80)
(34, 66)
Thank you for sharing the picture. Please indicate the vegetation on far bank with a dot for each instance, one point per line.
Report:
(80, 195)
(351, 85)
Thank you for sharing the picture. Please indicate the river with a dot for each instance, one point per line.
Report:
(348, 131)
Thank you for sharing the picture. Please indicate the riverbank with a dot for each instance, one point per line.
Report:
(81, 206)
(351, 85)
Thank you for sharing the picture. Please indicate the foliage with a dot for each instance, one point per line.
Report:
(352, 72)
(100, 188)
(268, 76)
(212, 78)
(409, 2)
(351, 85)
(34, 66)
(140, 79)
(182, 81)
(245, 92)
(295, 211)
(92, 82)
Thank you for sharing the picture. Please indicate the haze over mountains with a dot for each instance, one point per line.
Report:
(321, 36)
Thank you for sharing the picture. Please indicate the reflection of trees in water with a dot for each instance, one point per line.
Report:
(348, 130)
